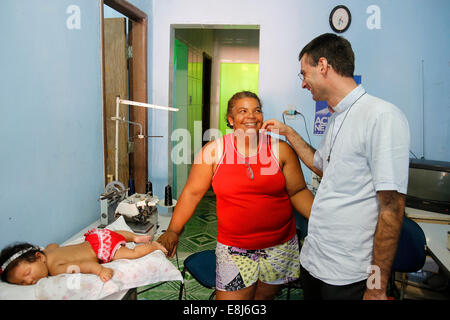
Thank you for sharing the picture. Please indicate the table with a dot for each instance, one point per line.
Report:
(436, 237)
(435, 226)
(419, 215)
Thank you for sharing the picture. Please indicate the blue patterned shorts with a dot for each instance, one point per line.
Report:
(238, 268)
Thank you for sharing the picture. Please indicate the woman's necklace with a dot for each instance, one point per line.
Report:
(334, 140)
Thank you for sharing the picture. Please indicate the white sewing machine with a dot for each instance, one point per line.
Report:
(139, 210)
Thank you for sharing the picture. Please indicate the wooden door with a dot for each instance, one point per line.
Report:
(116, 83)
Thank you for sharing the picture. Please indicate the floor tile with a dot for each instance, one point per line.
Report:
(200, 233)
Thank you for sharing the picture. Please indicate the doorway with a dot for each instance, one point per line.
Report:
(133, 153)
(200, 54)
(116, 84)
(235, 77)
(206, 97)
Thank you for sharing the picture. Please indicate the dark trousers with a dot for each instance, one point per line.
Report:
(315, 289)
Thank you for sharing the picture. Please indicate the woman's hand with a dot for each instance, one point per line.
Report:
(169, 240)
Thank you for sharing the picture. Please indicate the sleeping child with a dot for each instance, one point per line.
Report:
(25, 264)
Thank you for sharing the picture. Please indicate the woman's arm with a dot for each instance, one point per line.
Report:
(198, 183)
(301, 197)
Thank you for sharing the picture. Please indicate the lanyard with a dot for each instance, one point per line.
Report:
(334, 140)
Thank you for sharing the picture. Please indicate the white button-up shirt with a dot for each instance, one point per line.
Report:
(369, 142)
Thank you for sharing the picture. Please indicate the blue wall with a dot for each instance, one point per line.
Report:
(389, 59)
(390, 62)
(51, 163)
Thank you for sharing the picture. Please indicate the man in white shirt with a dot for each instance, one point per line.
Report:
(363, 160)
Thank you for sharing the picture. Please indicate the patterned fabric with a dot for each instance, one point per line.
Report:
(238, 268)
(105, 243)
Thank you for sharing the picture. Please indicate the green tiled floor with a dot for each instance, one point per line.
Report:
(199, 234)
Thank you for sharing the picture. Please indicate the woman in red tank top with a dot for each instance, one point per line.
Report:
(256, 181)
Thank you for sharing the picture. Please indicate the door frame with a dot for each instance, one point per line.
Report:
(206, 95)
(138, 83)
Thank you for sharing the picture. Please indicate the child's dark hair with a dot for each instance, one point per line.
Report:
(8, 252)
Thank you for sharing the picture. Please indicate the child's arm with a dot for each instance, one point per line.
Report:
(88, 267)
(132, 237)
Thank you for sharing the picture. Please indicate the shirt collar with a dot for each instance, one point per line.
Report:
(349, 99)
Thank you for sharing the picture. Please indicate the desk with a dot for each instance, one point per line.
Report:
(435, 226)
(436, 237)
(419, 215)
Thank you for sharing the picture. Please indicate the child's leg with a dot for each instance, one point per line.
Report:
(132, 237)
(139, 251)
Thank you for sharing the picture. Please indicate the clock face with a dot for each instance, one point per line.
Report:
(340, 18)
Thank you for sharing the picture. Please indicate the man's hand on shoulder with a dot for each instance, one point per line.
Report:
(277, 127)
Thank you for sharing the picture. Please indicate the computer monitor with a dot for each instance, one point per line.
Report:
(429, 185)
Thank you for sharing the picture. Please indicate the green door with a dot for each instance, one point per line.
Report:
(188, 78)
(235, 77)
(180, 101)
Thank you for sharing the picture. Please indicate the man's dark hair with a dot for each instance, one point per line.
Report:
(336, 49)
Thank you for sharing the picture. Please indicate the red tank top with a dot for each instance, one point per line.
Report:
(252, 213)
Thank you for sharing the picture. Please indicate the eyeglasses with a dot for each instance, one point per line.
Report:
(249, 170)
(302, 78)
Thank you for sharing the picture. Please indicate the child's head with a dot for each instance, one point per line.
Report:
(22, 264)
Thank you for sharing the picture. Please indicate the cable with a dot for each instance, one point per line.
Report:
(413, 154)
(294, 112)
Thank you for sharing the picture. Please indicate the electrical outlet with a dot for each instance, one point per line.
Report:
(291, 110)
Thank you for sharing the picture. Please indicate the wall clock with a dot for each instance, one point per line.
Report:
(340, 18)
